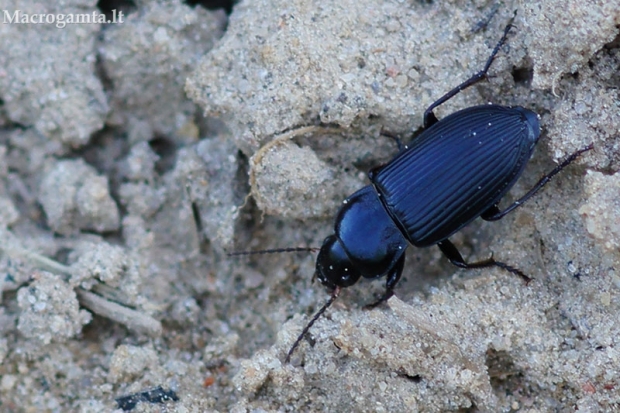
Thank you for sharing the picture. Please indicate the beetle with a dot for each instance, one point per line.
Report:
(456, 170)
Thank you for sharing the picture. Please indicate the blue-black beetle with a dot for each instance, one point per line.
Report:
(455, 171)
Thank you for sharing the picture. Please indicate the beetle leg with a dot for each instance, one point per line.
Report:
(429, 116)
(453, 254)
(490, 213)
(395, 138)
(493, 213)
(392, 279)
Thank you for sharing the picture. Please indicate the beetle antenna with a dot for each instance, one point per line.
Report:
(273, 251)
(319, 313)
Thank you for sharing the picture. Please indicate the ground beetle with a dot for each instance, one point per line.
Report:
(456, 170)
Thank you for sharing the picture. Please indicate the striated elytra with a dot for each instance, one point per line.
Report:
(455, 170)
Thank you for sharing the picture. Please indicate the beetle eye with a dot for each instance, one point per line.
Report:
(333, 266)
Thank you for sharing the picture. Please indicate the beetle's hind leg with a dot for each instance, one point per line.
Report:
(429, 117)
(494, 214)
(455, 257)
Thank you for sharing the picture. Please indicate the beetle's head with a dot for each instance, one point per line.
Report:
(333, 265)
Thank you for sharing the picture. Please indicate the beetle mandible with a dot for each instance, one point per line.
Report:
(456, 170)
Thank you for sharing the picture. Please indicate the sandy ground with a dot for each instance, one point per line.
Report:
(134, 156)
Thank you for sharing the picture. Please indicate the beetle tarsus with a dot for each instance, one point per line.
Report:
(494, 214)
(455, 257)
(429, 117)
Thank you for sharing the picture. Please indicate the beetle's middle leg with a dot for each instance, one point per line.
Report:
(455, 257)
(493, 213)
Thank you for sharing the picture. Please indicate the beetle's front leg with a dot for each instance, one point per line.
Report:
(455, 257)
(429, 117)
(395, 138)
(392, 279)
